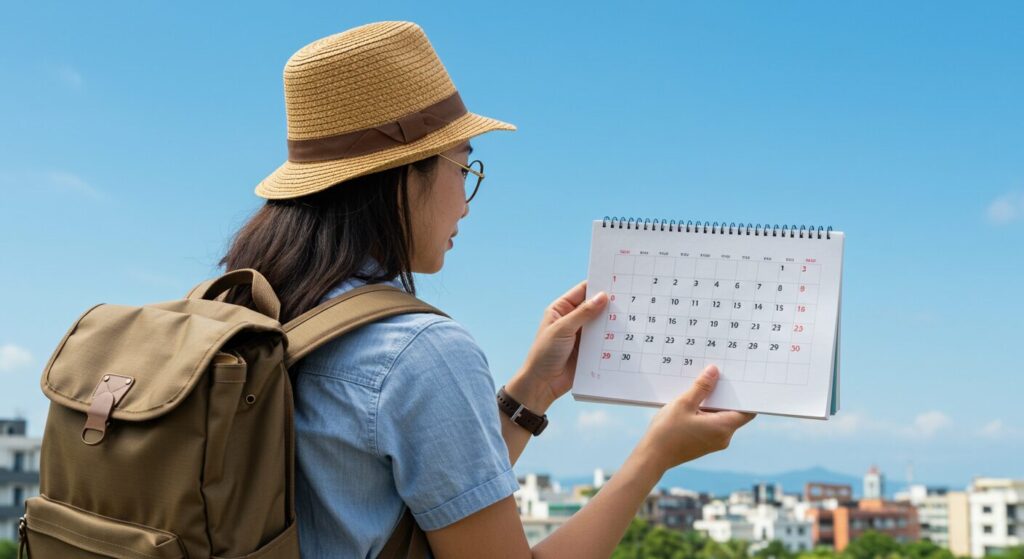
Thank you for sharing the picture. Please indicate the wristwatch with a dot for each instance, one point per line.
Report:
(520, 414)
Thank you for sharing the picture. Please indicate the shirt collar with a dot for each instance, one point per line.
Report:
(369, 267)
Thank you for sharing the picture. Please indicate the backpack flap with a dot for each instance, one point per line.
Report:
(137, 363)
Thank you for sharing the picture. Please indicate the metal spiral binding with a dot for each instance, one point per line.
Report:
(716, 228)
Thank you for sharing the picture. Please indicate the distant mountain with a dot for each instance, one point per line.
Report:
(723, 482)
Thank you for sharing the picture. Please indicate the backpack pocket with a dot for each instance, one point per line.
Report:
(55, 529)
(286, 544)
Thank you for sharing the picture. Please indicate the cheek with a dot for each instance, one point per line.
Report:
(455, 205)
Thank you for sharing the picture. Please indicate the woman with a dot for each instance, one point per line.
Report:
(402, 413)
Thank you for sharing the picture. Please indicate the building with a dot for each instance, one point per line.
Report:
(674, 508)
(836, 527)
(767, 493)
(758, 524)
(19, 473)
(540, 497)
(874, 484)
(996, 515)
(959, 523)
(932, 504)
(828, 494)
(544, 506)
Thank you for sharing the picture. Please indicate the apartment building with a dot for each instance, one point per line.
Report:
(19, 473)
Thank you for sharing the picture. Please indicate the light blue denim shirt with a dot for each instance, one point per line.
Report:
(400, 412)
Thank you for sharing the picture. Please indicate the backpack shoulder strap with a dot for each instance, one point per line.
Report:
(345, 313)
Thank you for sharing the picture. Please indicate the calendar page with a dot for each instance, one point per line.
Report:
(762, 304)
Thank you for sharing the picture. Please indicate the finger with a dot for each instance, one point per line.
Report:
(701, 387)
(566, 303)
(570, 364)
(583, 313)
(734, 419)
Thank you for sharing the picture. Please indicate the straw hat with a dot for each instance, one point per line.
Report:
(371, 98)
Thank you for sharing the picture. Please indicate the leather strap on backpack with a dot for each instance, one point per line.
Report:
(347, 312)
(262, 293)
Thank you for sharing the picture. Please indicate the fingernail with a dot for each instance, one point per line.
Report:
(711, 372)
(595, 297)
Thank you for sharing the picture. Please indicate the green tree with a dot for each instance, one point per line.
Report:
(732, 549)
(662, 543)
(820, 552)
(644, 541)
(872, 545)
(774, 550)
(631, 544)
(1016, 552)
(8, 549)
(925, 549)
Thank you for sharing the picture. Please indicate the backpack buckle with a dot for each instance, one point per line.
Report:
(108, 393)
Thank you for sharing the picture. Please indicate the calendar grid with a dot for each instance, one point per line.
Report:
(720, 307)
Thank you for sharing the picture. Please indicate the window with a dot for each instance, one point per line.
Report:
(987, 529)
(19, 496)
(1011, 511)
(1011, 530)
(986, 509)
(19, 461)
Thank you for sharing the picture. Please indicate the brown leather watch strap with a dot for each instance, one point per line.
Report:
(520, 414)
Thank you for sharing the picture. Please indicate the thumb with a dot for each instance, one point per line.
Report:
(701, 387)
(584, 312)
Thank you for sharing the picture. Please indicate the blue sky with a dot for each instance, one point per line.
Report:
(134, 133)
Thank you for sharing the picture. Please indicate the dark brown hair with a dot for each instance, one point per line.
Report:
(306, 245)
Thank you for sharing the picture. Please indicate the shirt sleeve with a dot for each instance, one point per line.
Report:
(437, 423)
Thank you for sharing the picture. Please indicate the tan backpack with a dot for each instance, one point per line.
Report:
(170, 432)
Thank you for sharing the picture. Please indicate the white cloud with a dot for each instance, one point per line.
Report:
(69, 77)
(993, 429)
(844, 424)
(73, 183)
(927, 424)
(1007, 208)
(998, 430)
(13, 357)
(593, 419)
(856, 424)
(62, 182)
(848, 423)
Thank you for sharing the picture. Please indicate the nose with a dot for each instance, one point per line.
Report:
(465, 210)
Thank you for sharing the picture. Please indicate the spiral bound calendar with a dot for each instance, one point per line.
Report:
(760, 302)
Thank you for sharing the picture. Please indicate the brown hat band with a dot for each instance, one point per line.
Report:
(406, 129)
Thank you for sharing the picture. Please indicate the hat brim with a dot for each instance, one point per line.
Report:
(299, 179)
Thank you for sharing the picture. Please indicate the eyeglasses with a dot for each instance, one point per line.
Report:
(475, 167)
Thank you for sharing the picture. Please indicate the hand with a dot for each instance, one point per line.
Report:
(550, 366)
(681, 431)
